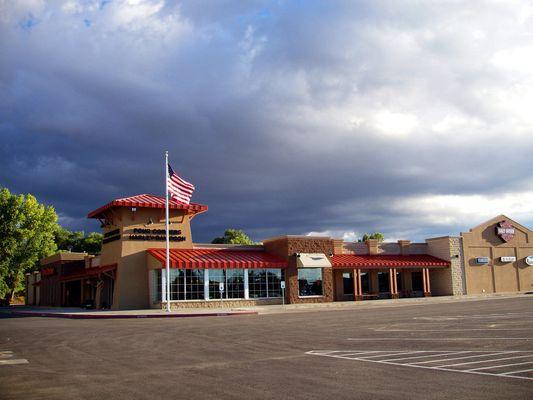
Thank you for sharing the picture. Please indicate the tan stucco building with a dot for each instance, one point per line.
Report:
(496, 256)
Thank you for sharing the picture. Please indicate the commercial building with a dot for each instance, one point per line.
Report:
(496, 256)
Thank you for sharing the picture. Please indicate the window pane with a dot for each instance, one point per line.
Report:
(310, 281)
(235, 283)
(215, 277)
(177, 281)
(157, 277)
(257, 283)
(274, 279)
(194, 284)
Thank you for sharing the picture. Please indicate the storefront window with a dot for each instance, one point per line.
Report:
(274, 278)
(234, 283)
(188, 284)
(194, 284)
(257, 283)
(310, 281)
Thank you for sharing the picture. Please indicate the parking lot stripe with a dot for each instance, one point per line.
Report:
(391, 354)
(14, 361)
(428, 355)
(490, 360)
(517, 372)
(499, 366)
(476, 371)
(461, 358)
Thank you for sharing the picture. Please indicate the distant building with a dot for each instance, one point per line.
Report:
(494, 257)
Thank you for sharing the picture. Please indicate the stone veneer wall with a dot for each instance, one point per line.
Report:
(285, 247)
(447, 281)
(176, 305)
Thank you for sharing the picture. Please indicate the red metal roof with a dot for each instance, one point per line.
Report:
(386, 260)
(218, 258)
(148, 201)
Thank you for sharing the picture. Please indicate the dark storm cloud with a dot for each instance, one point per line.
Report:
(331, 117)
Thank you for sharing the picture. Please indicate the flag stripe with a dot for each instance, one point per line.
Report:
(179, 189)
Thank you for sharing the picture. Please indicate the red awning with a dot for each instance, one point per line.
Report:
(387, 261)
(218, 258)
(88, 272)
(148, 201)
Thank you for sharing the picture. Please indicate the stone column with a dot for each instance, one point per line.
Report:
(357, 288)
(425, 278)
(394, 287)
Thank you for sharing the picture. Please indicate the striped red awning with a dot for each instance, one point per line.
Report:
(148, 201)
(218, 258)
(387, 260)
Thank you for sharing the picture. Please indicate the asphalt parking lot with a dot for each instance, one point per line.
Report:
(463, 350)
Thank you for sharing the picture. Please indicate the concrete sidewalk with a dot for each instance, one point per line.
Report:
(78, 313)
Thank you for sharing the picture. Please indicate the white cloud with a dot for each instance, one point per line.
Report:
(466, 209)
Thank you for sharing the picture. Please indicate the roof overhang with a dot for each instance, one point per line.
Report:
(218, 259)
(380, 261)
(148, 201)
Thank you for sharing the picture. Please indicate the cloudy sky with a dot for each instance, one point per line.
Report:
(413, 118)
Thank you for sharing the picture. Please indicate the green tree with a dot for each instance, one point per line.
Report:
(376, 235)
(26, 235)
(77, 241)
(233, 236)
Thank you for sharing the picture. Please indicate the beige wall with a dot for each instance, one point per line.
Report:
(131, 284)
(497, 277)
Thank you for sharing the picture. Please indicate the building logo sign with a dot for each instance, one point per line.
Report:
(529, 260)
(482, 260)
(507, 259)
(505, 231)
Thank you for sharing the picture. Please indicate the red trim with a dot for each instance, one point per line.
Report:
(148, 201)
(88, 272)
(387, 260)
(218, 258)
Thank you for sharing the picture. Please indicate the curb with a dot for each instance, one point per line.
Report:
(126, 316)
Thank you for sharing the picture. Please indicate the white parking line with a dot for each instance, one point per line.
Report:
(499, 366)
(482, 361)
(14, 361)
(461, 358)
(428, 355)
(443, 354)
(6, 358)
(517, 372)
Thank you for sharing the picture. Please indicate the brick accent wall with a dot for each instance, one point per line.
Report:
(286, 247)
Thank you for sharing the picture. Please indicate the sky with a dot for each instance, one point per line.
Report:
(411, 118)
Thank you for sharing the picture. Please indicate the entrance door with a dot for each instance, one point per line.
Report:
(418, 284)
(347, 283)
(383, 284)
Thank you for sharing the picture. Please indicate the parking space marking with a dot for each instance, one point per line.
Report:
(500, 366)
(461, 358)
(6, 358)
(482, 361)
(441, 358)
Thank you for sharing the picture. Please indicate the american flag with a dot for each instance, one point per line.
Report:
(179, 189)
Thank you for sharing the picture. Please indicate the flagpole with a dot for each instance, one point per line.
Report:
(166, 233)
